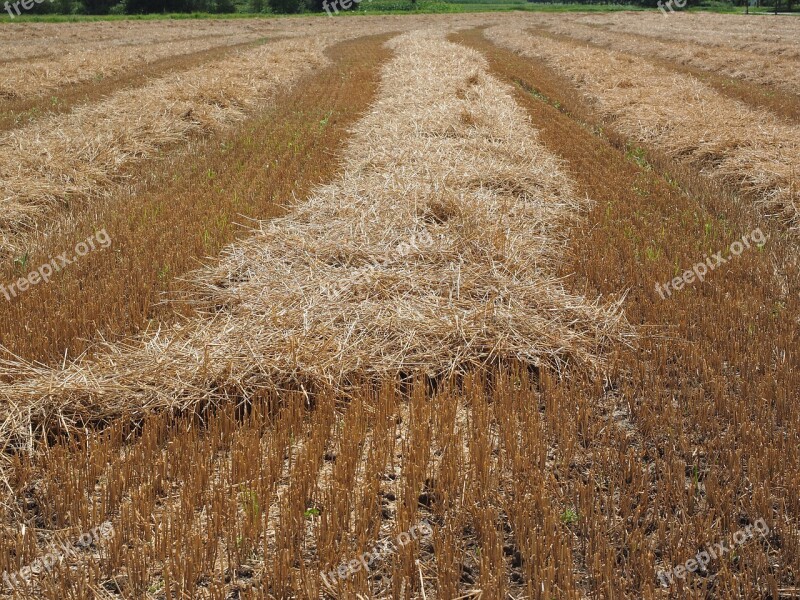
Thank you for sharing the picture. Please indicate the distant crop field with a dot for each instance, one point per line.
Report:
(500, 306)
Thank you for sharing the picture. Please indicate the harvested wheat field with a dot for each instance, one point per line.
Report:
(422, 307)
(682, 117)
(766, 54)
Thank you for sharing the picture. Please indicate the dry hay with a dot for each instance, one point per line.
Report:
(70, 59)
(40, 76)
(65, 159)
(71, 42)
(750, 150)
(758, 64)
(23, 41)
(75, 157)
(434, 251)
(777, 38)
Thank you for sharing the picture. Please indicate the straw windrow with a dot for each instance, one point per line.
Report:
(752, 151)
(433, 252)
(753, 61)
(66, 159)
(776, 38)
(47, 74)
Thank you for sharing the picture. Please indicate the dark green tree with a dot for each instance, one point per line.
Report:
(286, 6)
(224, 6)
(97, 7)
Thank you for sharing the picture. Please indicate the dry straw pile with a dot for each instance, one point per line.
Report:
(775, 37)
(47, 60)
(69, 41)
(756, 64)
(60, 160)
(35, 77)
(751, 150)
(433, 251)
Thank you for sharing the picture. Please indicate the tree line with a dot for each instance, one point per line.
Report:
(137, 7)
